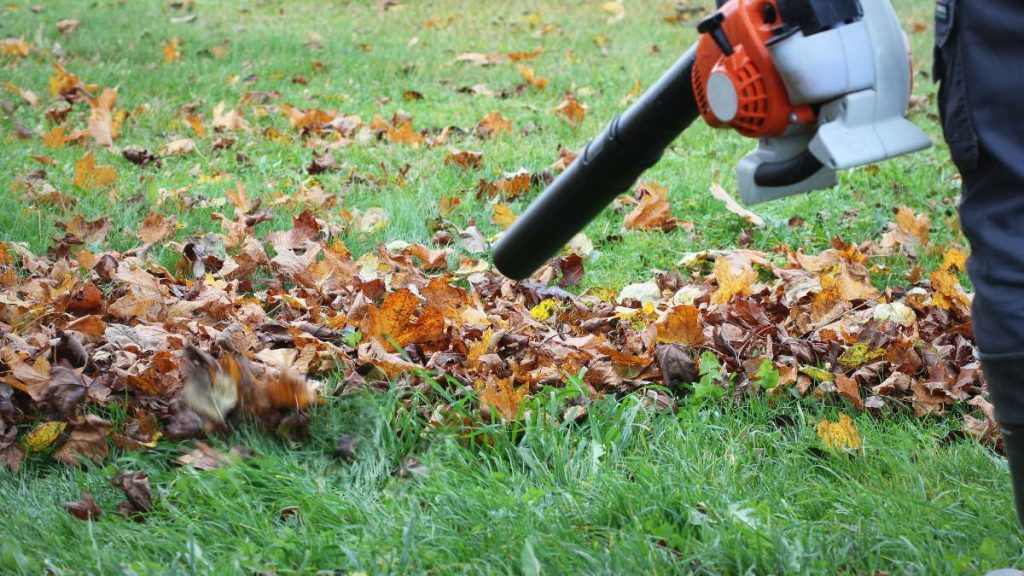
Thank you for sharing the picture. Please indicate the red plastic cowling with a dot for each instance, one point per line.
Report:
(763, 106)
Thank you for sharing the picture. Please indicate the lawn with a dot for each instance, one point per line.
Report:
(719, 486)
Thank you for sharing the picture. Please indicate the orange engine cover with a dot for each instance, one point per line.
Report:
(756, 102)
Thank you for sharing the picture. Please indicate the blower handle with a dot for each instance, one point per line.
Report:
(607, 167)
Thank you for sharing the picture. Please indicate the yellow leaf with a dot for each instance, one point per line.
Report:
(44, 435)
(948, 292)
(531, 77)
(729, 283)
(954, 258)
(502, 215)
(89, 176)
(841, 435)
(544, 310)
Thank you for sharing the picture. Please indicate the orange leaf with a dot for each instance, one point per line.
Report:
(171, 51)
(681, 325)
(501, 396)
(571, 110)
(89, 176)
(404, 133)
(849, 388)
(493, 124)
(396, 319)
(463, 158)
(729, 283)
(653, 212)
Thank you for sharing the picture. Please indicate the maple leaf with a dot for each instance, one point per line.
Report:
(67, 26)
(571, 110)
(156, 227)
(396, 320)
(850, 389)
(89, 176)
(228, 120)
(464, 159)
(510, 185)
(840, 435)
(17, 47)
(653, 212)
(84, 509)
(502, 215)
(680, 325)
(731, 284)
(949, 295)
(27, 95)
(179, 147)
(501, 396)
(493, 124)
(403, 133)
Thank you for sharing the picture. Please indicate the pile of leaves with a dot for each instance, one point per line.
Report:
(235, 333)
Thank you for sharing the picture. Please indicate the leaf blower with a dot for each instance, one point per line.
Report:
(823, 84)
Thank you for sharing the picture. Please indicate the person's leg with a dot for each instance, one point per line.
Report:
(980, 63)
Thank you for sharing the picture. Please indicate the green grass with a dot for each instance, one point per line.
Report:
(717, 488)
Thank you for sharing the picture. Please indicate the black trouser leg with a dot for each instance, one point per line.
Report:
(979, 60)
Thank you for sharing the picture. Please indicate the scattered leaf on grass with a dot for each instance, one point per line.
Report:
(732, 206)
(84, 509)
(840, 435)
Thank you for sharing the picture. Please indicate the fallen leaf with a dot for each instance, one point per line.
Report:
(680, 325)
(502, 215)
(83, 509)
(138, 496)
(571, 110)
(731, 284)
(171, 50)
(501, 396)
(840, 435)
(493, 124)
(67, 26)
(89, 176)
(732, 206)
(178, 147)
(464, 159)
(101, 118)
(653, 211)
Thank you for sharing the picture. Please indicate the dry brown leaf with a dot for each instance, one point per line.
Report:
(228, 120)
(653, 212)
(101, 118)
(178, 147)
(464, 159)
(732, 206)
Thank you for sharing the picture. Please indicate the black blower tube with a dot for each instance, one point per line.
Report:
(607, 167)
